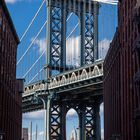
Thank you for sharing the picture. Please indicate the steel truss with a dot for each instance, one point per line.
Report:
(55, 122)
(58, 11)
(89, 119)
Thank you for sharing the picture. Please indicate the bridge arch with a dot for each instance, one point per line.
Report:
(73, 40)
(63, 80)
(84, 74)
(96, 71)
(55, 82)
(72, 124)
(73, 77)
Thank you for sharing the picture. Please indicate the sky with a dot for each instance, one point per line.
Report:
(22, 11)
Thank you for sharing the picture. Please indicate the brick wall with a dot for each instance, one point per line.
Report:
(121, 78)
(10, 100)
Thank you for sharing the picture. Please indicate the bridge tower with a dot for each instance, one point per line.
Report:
(57, 12)
(57, 107)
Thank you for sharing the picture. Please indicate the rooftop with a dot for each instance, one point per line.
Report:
(3, 4)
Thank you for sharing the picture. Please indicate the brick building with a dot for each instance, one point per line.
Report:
(10, 96)
(122, 76)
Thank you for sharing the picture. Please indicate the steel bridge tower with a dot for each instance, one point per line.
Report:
(57, 105)
(57, 12)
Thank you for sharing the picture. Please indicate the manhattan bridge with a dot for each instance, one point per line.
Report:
(61, 71)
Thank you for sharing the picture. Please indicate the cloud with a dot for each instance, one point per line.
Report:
(108, 1)
(102, 120)
(38, 115)
(102, 134)
(41, 133)
(101, 109)
(103, 47)
(73, 51)
(11, 1)
(71, 113)
(15, 1)
(41, 43)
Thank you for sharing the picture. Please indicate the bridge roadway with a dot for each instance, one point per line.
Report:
(84, 84)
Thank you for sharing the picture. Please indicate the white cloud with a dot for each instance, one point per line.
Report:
(34, 115)
(101, 109)
(107, 1)
(41, 133)
(102, 134)
(73, 51)
(12, 1)
(71, 113)
(41, 43)
(103, 47)
(102, 120)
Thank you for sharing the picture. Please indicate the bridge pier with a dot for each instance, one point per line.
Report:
(48, 118)
(92, 122)
(97, 122)
(89, 120)
(82, 123)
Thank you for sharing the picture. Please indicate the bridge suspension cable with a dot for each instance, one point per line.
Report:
(37, 36)
(69, 16)
(34, 64)
(44, 53)
(36, 75)
(32, 21)
(72, 31)
(32, 43)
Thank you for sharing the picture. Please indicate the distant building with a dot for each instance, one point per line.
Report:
(10, 96)
(24, 133)
(122, 76)
(73, 135)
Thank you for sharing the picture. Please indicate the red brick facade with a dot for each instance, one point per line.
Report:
(122, 76)
(10, 99)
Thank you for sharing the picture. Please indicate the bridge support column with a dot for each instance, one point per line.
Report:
(48, 118)
(92, 122)
(63, 121)
(55, 120)
(96, 12)
(82, 124)
(97, 127)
